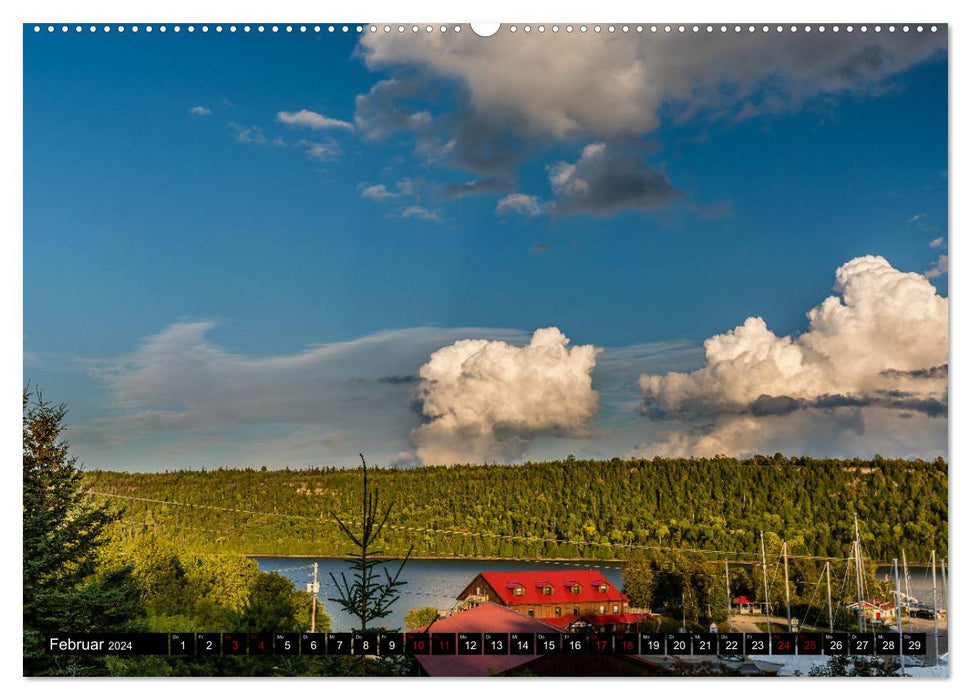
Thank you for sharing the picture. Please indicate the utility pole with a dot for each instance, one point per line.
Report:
(765, 582)
(728, 596)
(785, 564)
(313, 601)
(900, 626)
(829, 598)
(937, 659)
(907, 590)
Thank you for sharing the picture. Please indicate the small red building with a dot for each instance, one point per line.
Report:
(570, 600)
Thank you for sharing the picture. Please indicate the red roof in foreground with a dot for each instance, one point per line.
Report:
(532, 582)
(487, 617)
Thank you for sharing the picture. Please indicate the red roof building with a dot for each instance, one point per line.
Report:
(562, 598)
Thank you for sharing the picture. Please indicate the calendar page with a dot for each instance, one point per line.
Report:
(473, 350)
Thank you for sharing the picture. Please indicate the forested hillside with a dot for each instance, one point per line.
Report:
(570, 508)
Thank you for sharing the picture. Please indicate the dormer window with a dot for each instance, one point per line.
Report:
(547, 590)
(575, 588)
(602, 588)
(518, 590)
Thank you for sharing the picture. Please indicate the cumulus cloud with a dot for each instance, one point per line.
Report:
(312, 120)
(937, 242)
(616, 87)
(939, 269)
(200, 111)
(377, 192)
(484, 401)
(606, 179)
(417, 211)
(519, 203)
(874, 355)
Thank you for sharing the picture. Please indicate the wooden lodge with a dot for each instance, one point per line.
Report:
(571, 600)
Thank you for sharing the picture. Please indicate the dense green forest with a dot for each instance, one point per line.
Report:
(564, 509)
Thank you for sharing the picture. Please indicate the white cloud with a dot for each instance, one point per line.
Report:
(876, 352)
(312, 120)
(200, 111)
(419, 212)
(525, 204)
(484, 401)
(937, 242)
(248, 134)
(939, 269)
(320, 150)
(377, 192)
(606, 179)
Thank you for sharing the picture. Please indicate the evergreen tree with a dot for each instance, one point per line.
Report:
(64, 591)
(367, 597)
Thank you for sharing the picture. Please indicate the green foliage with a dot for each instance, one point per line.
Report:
(673, 582)
(562, 509)
(419, 618)
(63, 589)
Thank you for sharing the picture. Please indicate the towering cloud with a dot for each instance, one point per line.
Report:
(874, 354)
(483, 401)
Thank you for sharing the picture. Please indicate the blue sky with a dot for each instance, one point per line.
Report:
(156, 234)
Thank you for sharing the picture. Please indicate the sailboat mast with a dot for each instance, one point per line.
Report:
(900, 626)
(829, 598)
(860, 612)
(785, 564)
(907, 590)
(937, 659)
(728, 597)
(765, 583)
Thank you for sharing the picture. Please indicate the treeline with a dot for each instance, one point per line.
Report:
(563, 509)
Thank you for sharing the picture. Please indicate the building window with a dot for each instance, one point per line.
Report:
(548, 590)
(532, 613)
(602, 610)
(576, 611)
(478, 590)
(616, 608)
(575, 588)
(603, 588)
(519, 590)
(559, 611)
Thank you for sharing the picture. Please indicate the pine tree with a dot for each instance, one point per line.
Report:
(64, 591)
(367, 597)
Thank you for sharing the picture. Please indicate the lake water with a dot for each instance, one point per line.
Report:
(430, 582)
